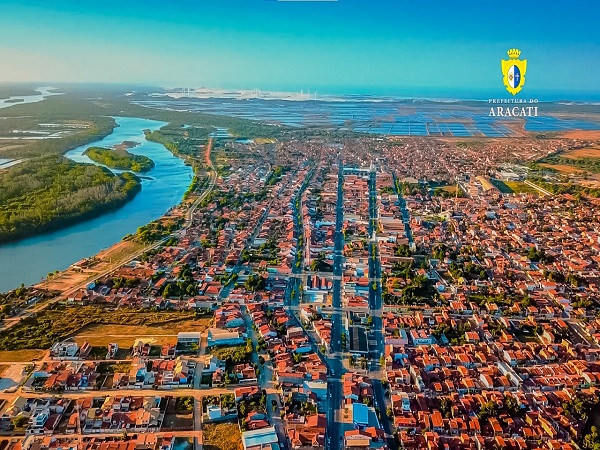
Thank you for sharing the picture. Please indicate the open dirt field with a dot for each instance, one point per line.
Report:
(66, 280)
(21, 355)
(118, 252)
(111, 257)
(222, 436)
(562, 168)
(593, 152)
(5, 146)
(11, 376)
(125, 335)
(582, 134)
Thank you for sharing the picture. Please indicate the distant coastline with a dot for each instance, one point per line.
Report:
(375, 95)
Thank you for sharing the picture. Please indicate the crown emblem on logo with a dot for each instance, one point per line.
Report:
(514, 53)
(513, 71)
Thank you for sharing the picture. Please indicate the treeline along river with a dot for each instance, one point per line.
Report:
(29, 260)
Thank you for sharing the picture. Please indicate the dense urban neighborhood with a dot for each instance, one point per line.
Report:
(343, 293)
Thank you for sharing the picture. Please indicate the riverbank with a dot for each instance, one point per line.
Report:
(127, 250)
(37, 200)
(29, 260)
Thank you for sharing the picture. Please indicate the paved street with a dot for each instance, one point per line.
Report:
(334, 388)
(376, 305)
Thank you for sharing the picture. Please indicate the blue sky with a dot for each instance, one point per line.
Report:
(419, 47)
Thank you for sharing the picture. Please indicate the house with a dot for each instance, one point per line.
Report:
(212, 363)
(358, 340)
(217, 336)
(113, 348)
(360, 415)
(319, 388)
(422, 337)
(188, 342)
(260, 438)
(214, 412)
(64, 349)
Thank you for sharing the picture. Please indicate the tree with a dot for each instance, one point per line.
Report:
(591, 440)
(439, 251)
(403, 251)
(39, 198)
(512, 405)
(446, 407)
(255, 283)
(168, 291)
(19, 421)
(488, 409)
(21, 290)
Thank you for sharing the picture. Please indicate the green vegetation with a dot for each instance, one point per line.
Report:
(15, 90)
(456, 336)
(403, 251)
(68, 109)
(449, 192)
(591, 440)
(501, 186)
(184, 286)
(486, 299)
(47, 193)
(234, 355)
(154, 231)
(119, 159)
(567, 188)
(184, 403)
(19, 297)
(265, 252)
(227, 401)
(468, 271)
(255, 283)
(539, 255)
(535, 167)
(275, 175)
(488, 409)
(58, 322)
(439, 251)
(19, 422)
(588, 163)
(578, 407)
(319, 265)
(111, 367)
(419, 290)
(518, 187)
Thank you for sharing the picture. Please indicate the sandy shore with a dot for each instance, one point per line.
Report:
(105, 260)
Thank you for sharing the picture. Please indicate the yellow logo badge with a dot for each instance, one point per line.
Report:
(513, 71)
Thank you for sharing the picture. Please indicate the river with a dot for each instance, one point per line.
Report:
(24, 99)
(29, 260)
